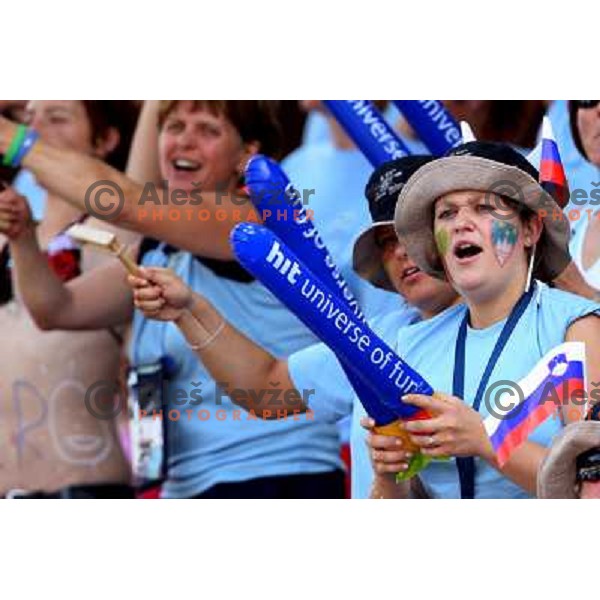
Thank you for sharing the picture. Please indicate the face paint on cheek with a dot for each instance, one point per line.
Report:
(442, 241)
(504, 239)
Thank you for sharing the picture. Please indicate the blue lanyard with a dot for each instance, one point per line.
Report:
(466, 465)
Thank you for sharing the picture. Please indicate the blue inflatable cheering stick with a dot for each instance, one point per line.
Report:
(283, 213)
(367, 128)
(355, 345)
(433, 124)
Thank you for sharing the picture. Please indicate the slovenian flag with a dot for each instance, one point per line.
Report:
(552, 173)
(557, 378)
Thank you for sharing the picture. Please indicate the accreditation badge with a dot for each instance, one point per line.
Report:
(146, 424)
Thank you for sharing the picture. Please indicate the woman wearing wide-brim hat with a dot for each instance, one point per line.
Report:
(572, 467)
(478, 218)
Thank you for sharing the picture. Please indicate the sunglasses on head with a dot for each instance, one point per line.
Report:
(586, 103)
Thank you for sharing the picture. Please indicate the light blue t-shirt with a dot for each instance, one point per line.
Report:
(429, 348)
(224, 443)
(316, 129)
(317, 368)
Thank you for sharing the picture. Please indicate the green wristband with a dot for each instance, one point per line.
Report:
(14, 146)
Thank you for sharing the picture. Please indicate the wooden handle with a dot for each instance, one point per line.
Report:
(126, 260)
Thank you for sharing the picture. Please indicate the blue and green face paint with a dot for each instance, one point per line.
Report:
(504, 240)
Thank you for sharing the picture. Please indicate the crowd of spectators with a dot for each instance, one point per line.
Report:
(86, 347)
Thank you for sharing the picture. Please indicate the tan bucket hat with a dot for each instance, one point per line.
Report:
(558, 472)
(496, 169)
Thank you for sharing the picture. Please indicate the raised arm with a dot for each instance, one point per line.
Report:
(571, 280)
(143, 165)
(586, 330)
(226, 353)
(96, 300)
(199, 227)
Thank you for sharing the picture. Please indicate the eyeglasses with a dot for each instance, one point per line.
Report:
(586, 103)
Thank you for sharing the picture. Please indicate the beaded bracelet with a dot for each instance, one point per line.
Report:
(31, 137)
(14, 146)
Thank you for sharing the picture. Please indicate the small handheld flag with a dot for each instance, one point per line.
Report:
(552, 172)
(557, 379)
